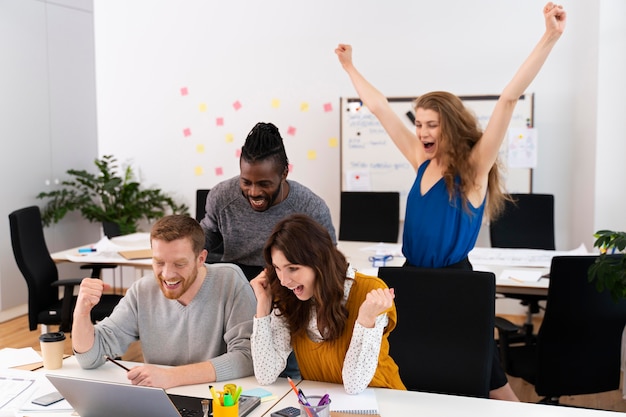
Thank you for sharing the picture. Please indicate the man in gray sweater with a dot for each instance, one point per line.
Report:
(193, 316)
(242, 211)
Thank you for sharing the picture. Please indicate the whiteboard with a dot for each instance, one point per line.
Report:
(370, 161)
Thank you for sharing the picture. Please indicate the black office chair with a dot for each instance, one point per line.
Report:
(201, 195)
(369, 216)
(42, 277)
(527, 222)
(578, 346)
(444, 339)
(215, 254)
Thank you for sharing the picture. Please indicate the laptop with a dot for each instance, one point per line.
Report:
(92, 398)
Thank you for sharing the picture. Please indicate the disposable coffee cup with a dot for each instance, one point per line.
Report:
(52, 348)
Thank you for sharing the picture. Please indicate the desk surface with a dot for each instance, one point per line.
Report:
(110, 372)
(390, 403)
(413, 403)
(107, 251)
(359, 253)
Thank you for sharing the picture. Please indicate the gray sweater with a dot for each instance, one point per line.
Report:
(243, 230)
(216, 325)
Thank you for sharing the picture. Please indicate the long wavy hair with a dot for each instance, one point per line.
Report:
(305, 242)
(460, 131)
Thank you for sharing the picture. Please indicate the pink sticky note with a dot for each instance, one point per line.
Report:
(219, 121)
(219, 171)
(237, 105)
(328, 107)
(184, 91)
(187, 132)
(238, 153)
(291, 130)
(290, 167)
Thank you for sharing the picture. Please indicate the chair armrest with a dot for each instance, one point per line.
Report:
(68, 301)
(97, 268)
(67, 282)
(504, 325)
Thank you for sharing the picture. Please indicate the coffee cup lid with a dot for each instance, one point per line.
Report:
(52, 337)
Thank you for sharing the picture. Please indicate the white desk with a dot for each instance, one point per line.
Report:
(358, 254)
(392, 403)
(107, 251)
(110, 372)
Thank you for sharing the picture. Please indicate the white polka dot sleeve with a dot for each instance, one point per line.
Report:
(271, 345)
(361, 359)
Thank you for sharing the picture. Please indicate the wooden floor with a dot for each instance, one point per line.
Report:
(14, 333)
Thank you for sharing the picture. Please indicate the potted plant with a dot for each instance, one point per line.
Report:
(609, 269)
(109, 197)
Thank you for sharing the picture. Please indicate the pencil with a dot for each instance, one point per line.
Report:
(116, 362)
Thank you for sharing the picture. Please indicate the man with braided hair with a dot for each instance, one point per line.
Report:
(242, 211)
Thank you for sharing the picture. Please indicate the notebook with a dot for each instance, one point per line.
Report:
(92, 398)
(136, 254)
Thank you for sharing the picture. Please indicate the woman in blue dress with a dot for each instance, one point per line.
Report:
(458, 177)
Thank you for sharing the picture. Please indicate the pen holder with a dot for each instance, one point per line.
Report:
(380, 260)
(315, 410)
(221, 411)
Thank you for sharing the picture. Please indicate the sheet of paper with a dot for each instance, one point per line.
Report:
(11, 357)
(520, 275)
(393, 249)
(519, 257)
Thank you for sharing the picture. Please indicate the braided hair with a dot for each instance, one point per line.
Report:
(264, 142)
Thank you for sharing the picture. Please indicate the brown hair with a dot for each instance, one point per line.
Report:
(179, 226)
(305, 242)
(460, 131)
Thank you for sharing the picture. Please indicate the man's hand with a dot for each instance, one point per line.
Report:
(89, 294)
(151, 376)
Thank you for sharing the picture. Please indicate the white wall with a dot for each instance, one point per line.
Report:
(47, 121)
(276, 56)
(611, 132)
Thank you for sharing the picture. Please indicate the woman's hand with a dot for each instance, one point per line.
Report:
(376, 302)
(344, 53)
(555, 17)
(263, 293)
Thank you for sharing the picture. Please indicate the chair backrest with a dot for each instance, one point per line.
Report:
(526, 223)
(444, 339)
(33, 260)
(369, 216)
(579, 341)
(201, 196)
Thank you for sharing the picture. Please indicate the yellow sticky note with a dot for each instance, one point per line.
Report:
(229, 138)
(200, 148)
(198, 171)
(333, 142)
(304, 106)
(202, 107)
(311, 155)
(275, 103)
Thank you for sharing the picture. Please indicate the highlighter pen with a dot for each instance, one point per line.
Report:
(213, 393)
(237, 393)
(116, 362)
(86, 250)
(228, 400)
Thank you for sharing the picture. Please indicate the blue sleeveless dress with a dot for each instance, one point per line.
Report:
(438, 232)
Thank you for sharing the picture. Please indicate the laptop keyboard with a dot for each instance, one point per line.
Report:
(185, 412)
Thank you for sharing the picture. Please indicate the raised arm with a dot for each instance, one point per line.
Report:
(486, 150)
(377, 103)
